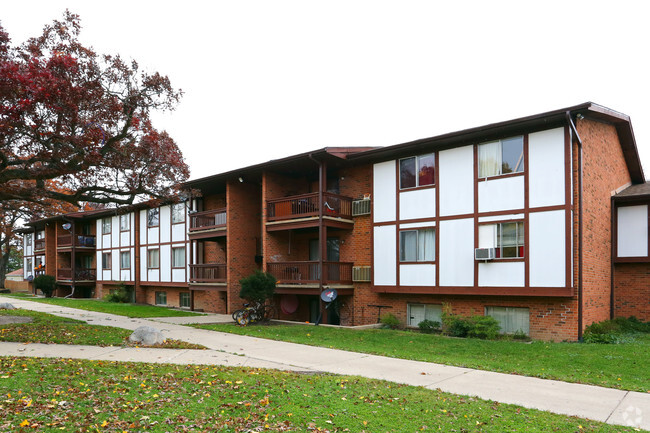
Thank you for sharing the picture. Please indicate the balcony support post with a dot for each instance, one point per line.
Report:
(322, 235)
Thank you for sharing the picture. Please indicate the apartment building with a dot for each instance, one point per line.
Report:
(534, 221)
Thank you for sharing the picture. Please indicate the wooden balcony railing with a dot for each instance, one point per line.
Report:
(81, 274)
(306, 205)
(209, 219)
(39, 244)
(309, 272)
(208, 273)
(79, 240)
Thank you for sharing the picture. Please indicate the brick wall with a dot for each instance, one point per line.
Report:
(632, 290)
(604, 170)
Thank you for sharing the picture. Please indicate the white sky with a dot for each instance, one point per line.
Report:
(268, 79)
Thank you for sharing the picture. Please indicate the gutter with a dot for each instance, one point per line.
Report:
(574, 133)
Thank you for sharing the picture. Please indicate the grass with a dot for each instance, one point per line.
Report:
(621, 366)
(128, 310)
(71, 395)
(50, 329)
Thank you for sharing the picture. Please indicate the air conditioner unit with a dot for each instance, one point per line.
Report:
(361, 207)
(361, 273)
(484, 253)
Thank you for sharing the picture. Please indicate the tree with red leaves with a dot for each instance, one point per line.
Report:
(75, 126)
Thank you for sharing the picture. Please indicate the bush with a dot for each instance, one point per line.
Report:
(389, 321)
(520, 335)
(428, 326)
(46, 284)
(483, 327)
(455, 326)
(122, 294)
(616, 331)
(258, 287)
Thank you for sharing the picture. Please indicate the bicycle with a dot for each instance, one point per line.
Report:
(257, 312)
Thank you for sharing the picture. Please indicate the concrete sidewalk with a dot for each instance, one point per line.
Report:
(597, 403)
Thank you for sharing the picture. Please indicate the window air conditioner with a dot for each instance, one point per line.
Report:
(361, 207)
(361, 273)
(484, 253)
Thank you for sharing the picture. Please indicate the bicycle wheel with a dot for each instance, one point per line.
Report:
(244, 318)
(236, 314)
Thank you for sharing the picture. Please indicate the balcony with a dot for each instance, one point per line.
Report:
(80, 274)
(39, 244)
(337, 211)
(81, 241)
(208, 273)
(336, 273)
(209, 222)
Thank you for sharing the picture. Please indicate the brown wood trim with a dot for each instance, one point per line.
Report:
(568, 239)
(508, 260)
(517, 220)
(163, 284)
(420, 220)
(526, 213)
(476, 213)
(563, 292)
(223, 288)
(436, 179)
(636, 259)
(417, 188)
(428, 262)
(397, 220)
(504, 176)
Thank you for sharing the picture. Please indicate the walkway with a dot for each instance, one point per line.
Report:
(597, 403)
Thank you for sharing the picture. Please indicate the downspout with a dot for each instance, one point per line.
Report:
(580, 291)
(614, 220)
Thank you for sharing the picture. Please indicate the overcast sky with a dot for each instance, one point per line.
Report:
(267, 79)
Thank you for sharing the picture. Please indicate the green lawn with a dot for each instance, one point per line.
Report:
(129, 310)
(71, 395)
(622, 366)
(47, 328)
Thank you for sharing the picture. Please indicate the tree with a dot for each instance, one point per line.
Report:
(75, 127)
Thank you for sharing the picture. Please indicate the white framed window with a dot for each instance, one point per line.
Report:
(29, 270)
(153, 217)
(511, 319)
(161, 298)
(40, 234)
(419, 312)
(106, 260)
(184, 300)
(178, 257)
(153, 258)
(28, 240)
(417, 245)
(106, 225)
(417, 171)
(125, 260)
(178, 213)
(507, 238)
(501, 157)
(125, 222)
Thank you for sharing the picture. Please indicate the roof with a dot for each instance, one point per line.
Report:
(519, 126)
(16, 273)
(640, 192)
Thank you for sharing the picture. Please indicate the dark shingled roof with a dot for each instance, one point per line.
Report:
(632, 192)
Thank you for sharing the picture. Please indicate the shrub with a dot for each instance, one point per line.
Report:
(618, 330)
(389, 321)
(259, 287)
(520, 335)
(455, 326)
(483, 327)
(123, 294)
(428, 326)
(46, 284)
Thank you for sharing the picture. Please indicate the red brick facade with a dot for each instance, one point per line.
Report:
(632, 290)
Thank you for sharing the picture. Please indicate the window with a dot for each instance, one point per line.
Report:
(125, 222)
(28, 268)
(106, 225)
(161, 298)
(501, 157)
(416, 171)
(184, 299)
(178, 213)
(153, 261)
(510, 240)
(153, 217)
(125, 260)
(419, 312)
(106, 260)
(510, 319)
(28, 240)
(40, 235)
(178, 257)
(417, 245)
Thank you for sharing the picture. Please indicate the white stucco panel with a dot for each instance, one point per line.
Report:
(165, 223)
(501, 274)
(417, 275)
(417, 204)
(384, 199)
(165, 263)
(178, 275)
(143, 264)
(456, 258)
(501, 194)
(456, 181)
(546, 184)
(632, 233)
(115, 231)
(178, 232)
(547, 249)
(385, 263)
